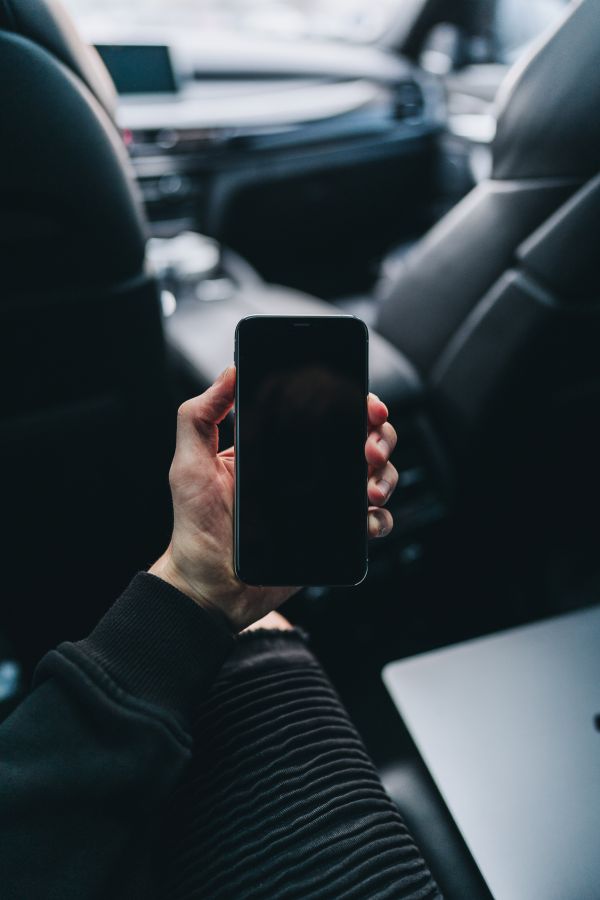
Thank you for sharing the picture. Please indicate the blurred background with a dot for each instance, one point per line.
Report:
(230, 106)
(241, 157)
(345, 20)
(339, 19)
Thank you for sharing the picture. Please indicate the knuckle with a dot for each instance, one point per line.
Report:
(184, 410)
(390, 434)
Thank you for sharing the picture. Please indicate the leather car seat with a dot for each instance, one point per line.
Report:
(85, 421)
(495, 291)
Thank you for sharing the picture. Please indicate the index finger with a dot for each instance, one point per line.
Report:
(378, 411)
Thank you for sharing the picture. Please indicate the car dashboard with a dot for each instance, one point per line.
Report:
(310, 147)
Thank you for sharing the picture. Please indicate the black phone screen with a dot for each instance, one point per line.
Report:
(301, 474)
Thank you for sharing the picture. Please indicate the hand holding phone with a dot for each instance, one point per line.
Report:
(199, 559)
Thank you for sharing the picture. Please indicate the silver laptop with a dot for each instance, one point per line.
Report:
(509, 728)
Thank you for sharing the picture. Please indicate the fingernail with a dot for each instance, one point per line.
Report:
(384, 486)
(377, 525)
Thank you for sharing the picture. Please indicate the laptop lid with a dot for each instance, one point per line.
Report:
(509, 728)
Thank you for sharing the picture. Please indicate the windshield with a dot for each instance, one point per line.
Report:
(348, 20)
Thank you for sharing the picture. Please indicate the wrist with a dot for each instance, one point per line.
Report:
(165, 569)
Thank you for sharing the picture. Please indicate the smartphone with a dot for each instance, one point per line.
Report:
(300, 431)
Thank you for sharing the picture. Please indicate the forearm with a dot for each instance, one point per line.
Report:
(88, 758)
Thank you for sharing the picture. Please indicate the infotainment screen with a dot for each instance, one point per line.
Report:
(139, 68)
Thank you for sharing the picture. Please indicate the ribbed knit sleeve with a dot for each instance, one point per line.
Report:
(281, 799)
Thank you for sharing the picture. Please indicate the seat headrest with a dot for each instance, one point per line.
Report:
(548, 122)
(46, 22)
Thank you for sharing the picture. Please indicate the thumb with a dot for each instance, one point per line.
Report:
(197, 419)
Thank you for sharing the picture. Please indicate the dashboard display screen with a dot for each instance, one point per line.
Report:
(139, 68)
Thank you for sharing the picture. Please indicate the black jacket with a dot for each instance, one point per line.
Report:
(88, 760)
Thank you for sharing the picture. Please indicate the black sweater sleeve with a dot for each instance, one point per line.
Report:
(88, 759)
